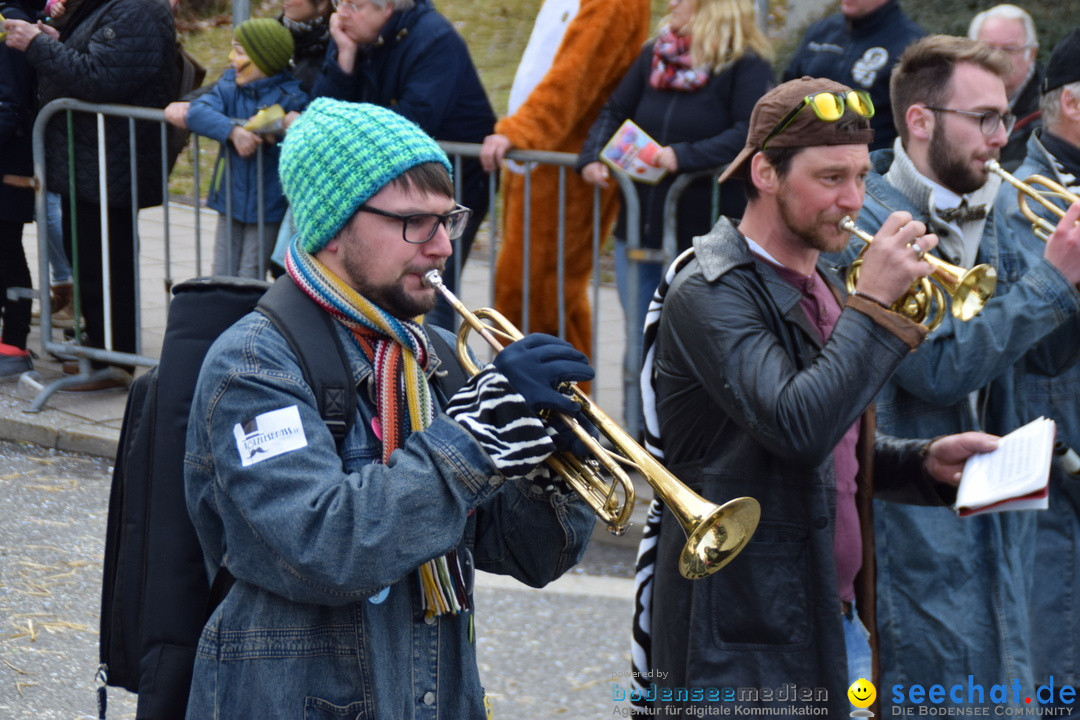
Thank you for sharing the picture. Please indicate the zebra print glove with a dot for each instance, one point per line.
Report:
(496, 415)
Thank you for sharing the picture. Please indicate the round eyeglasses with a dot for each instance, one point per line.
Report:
(988, 121)
(418, 228)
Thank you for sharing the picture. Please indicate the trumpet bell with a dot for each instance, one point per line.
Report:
(972, 291)
(718, 537)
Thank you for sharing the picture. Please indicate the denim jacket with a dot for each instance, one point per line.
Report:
(952, 592)
(324, 620)
(1055, 393)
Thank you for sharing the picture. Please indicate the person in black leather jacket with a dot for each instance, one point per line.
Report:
(859, 46)
(764, 373)
(109, 51)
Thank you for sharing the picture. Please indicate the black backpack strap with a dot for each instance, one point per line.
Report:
(311, 332)
(450, 375)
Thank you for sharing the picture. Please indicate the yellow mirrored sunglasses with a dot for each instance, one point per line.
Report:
(829, 107)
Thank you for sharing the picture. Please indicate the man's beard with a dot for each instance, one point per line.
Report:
(810, 231)
(951, 170)
(391, 297)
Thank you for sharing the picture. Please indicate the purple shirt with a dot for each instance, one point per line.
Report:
(823, 310)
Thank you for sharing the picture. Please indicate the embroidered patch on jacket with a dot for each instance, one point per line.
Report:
(865, 70)
(269, 435)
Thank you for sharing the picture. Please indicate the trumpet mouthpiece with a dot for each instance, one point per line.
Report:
(432, 278)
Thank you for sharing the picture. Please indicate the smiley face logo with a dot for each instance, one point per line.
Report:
(862, 693)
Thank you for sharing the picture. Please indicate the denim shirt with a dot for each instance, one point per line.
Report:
(952, 593)
(325, 619)
(1054, 392)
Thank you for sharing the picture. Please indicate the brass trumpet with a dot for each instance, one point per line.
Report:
(1029, 190)
(968, 290)
(715, 534)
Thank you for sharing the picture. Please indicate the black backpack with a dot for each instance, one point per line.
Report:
(155, 593)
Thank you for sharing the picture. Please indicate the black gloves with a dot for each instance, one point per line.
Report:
(537, 364)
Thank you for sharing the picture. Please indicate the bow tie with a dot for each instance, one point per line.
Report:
(962, 213)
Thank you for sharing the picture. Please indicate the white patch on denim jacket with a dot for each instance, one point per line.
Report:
(269, 435)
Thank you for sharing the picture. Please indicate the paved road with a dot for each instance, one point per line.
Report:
(543, 654)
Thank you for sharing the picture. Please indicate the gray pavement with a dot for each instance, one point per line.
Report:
(542, 653)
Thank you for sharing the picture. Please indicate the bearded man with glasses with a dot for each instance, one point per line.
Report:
(758, 380)
(354, 559)
(952, 592)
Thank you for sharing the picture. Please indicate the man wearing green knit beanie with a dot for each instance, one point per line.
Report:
(354, 558)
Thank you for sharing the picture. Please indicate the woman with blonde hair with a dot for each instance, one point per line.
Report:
(691, 89)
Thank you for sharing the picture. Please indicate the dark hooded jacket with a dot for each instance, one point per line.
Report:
(16, 119)
(420, 68)
(110, 51)
(859, 53)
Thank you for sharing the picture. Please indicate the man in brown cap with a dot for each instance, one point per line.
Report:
(759, 374)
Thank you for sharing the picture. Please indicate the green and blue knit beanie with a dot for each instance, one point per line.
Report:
(337, 155)
(267, 42)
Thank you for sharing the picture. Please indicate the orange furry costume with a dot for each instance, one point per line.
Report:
(598, 45)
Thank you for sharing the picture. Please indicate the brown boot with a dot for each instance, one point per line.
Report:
(62, 294)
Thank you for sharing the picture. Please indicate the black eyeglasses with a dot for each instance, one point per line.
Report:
(988, 121)
(418, 228)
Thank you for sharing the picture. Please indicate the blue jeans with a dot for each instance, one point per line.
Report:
(59, 268)
(648, 275)
(857, 643)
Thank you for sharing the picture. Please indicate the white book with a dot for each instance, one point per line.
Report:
(1016, 476)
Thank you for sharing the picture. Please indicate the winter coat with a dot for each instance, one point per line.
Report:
(706, 129)
(309, 53)
(110, 51)
(861, 54)
(1028, 117)
(215, 114)
(420, 68)
(751, 403)
(16, 123)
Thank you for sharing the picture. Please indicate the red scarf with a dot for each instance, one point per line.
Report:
(672, 68)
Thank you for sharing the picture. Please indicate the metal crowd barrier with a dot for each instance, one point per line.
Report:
(162, 246)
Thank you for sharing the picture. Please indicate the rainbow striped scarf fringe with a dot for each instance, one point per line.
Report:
(398, 352)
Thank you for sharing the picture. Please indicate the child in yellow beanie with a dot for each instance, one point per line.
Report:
(258, 79)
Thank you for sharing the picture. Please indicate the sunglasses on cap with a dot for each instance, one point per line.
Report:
(829, 107)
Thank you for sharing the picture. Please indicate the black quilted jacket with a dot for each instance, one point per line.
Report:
(111, 51)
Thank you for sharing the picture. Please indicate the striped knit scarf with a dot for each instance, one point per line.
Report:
(398, 352)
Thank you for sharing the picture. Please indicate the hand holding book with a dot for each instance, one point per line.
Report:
(1016, 476)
